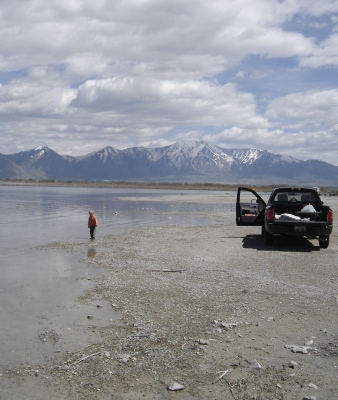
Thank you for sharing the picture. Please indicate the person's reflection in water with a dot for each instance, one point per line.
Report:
(91, 252)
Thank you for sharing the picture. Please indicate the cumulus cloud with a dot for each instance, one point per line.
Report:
(162, 102)
(79, 75)
(316, 106)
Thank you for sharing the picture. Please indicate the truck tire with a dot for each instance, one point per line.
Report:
(268, 238)
(324, 244)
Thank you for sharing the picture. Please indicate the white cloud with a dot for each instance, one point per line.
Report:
(79, 75)
(312, 106)
(157, 102)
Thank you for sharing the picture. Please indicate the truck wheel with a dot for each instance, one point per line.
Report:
(324, 244)
(268, 238)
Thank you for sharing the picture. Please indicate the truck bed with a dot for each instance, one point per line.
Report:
(295, 209)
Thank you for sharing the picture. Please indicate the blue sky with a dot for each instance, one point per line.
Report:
(79, 75)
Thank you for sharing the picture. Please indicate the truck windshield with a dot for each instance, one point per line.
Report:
(295, 196)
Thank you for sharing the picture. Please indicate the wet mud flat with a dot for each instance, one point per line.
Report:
(209, 308)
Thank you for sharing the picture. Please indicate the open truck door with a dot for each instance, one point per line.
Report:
(249, 208)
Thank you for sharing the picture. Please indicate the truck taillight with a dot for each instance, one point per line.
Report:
(330, 216)
(270, 214)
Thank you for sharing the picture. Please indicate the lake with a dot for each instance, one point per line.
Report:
(39, 214)
(39, 284)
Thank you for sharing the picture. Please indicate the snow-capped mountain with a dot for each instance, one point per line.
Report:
(43, 163)
(181, 162)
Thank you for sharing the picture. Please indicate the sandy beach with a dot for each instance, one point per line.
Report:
(206, 312)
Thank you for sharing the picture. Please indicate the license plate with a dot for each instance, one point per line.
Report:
(300, 228)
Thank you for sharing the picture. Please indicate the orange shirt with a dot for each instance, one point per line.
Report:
(92, 221)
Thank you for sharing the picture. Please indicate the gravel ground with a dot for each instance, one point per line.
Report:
(208, 308)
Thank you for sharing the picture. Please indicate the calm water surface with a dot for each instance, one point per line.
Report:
(38, 286)
(38, 215)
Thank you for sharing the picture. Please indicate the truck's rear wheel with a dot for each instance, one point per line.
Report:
(324, 244)
(268, 238)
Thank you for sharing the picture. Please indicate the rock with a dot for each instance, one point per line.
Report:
(90, 316)
(255, 364)
(98, 305)
(124, 358)
(297, 349)
(309, 343)
(293, 364)
(174, 386)
(227, 326)
(309, 398)
(203, 342)
(313, 386)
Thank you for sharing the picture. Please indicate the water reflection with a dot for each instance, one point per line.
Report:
(91, 252)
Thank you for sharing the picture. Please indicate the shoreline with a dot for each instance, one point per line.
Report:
(196, 302)
(156, 185)
(125, 184)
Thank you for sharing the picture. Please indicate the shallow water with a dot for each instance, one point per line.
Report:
(39, 285)
(41, 214)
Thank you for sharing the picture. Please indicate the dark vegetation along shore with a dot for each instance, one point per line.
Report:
(157, 185)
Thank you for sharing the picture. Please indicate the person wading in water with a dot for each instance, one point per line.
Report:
(92, 224)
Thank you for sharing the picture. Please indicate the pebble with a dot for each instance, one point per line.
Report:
(313, 386)
(226, 325)
(203, 342)
(297, 349)
(256, 364)
(90, 317)
(309, 398)
(174, 386)
(124, 358)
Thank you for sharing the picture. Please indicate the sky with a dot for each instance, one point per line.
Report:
(80, 75)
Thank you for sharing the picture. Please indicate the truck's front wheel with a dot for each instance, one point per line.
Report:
(267, 237)
(324, 242)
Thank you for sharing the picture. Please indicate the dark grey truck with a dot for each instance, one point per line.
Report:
(286, 213)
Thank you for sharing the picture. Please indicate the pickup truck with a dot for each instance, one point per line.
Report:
(289, 211)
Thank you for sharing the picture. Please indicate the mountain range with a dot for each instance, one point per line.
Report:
(197, 161)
